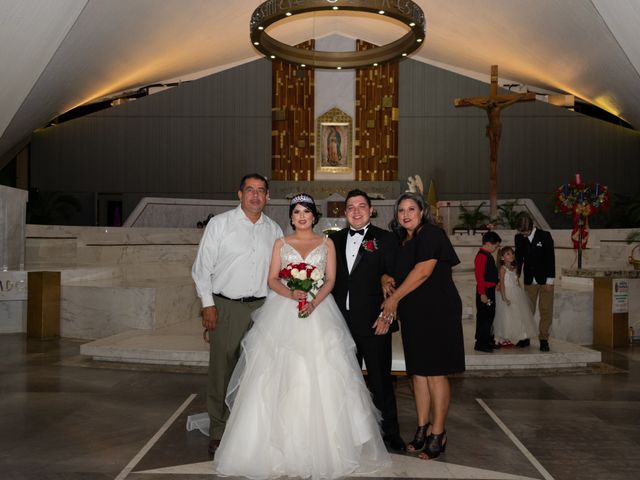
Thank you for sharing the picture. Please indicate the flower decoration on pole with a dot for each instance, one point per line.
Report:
(581, 200)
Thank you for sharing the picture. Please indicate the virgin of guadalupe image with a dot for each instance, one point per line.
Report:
(334, 152)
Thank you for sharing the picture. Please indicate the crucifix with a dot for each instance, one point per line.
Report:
(493, 105)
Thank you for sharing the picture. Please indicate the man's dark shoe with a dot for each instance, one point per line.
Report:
(523, 343)
(213, 446)
(483, 348)
(544, 346)
(394, 442)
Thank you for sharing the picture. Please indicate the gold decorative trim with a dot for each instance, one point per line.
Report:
(272, 11)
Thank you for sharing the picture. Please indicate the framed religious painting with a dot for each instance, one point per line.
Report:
(334, 143)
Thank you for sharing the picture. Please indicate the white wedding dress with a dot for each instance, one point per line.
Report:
(299, 405)
(513, 322)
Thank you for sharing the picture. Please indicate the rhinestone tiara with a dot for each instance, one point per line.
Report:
(302, 198)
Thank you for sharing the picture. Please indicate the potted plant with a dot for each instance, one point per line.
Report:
(508, 214)
(472, 218)
(634, 237)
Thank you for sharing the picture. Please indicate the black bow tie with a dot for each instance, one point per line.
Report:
(353, 232)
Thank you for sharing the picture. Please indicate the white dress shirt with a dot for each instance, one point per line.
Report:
(233, 256)
(354, 242)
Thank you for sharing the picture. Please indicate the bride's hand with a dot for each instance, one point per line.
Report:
(308, 308)
(298, 295)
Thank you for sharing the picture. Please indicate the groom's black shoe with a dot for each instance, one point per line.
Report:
(213, 446)
(394, 443)
(544, 346)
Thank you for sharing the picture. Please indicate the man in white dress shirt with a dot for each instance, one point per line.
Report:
(230, 273)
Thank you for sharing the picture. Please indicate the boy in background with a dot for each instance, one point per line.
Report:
(486, 274)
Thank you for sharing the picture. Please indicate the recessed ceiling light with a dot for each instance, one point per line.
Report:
(381, 12)
(288, 14)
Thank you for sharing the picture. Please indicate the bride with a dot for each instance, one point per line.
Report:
(299, 405)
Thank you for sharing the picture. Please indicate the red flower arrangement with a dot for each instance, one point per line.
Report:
(302, 276)
(370, 245)
(581, 200)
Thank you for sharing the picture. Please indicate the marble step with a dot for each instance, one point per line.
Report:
(183, 344)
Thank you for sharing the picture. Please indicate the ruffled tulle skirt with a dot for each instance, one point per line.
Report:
(514, 322)
(299, 404)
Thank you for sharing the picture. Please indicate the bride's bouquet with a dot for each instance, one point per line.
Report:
(305, 277)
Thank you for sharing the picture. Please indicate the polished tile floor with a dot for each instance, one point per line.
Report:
(65, 417)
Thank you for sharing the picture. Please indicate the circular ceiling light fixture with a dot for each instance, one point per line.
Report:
(272, 11)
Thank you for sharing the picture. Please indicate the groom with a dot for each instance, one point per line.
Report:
(364, 253)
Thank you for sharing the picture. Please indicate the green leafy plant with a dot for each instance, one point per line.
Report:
(472, 218)
(508, 214)
(633, 236)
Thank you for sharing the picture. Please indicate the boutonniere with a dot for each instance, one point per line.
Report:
(539, 244)
(370, 245)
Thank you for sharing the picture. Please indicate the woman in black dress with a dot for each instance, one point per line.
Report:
(423, 294)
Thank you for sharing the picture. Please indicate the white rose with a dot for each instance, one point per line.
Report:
(299, 274)
(316, 275)
(319, 283)
(294, 272)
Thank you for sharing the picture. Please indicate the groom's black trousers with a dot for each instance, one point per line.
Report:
(376, 352)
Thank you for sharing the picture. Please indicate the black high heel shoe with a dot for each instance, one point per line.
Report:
(436, 444)
(419, 439)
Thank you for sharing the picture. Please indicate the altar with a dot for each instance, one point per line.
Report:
(613, 293)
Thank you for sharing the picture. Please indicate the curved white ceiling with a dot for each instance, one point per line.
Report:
(57, 55)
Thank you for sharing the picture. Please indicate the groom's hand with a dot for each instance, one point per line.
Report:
(210, 317)
(388, 285)
(381, 325)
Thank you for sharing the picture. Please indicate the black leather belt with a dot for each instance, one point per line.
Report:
(243, 299)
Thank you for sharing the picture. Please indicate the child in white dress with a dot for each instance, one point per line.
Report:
(513, 323)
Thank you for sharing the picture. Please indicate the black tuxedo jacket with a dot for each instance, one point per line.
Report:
(537, 258)
(363, 283)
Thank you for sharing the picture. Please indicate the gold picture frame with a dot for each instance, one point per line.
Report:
(334, 142)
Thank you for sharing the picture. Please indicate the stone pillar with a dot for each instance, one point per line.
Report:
(13, 207)
(13, 210)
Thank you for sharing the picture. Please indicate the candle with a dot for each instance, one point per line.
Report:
(597, 189)
(577, 179)
(565, 190)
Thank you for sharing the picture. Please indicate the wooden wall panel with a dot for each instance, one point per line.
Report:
(292, 133)
(376, 122)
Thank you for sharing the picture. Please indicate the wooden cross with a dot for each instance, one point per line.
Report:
(493, 105)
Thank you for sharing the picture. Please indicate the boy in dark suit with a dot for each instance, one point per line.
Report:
(364, 253)
(486, 274)
(535, 256)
